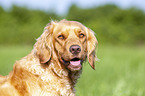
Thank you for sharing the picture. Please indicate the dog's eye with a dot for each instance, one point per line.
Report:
(61, 37)
(81, 35)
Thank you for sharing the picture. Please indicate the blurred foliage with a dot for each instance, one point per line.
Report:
(22, 26)
(111, 24)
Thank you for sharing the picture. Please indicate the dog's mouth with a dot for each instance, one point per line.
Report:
(74, 64)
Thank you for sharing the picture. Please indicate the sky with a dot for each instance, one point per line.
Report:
(62, 6)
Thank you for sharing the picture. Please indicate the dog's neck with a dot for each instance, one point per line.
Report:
(61, 71)
(74, 76)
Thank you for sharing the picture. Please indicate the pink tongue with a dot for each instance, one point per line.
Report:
(75, 63)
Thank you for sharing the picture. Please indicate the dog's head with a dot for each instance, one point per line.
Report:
(71, 41)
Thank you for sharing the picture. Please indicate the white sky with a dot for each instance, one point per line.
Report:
(62, 6)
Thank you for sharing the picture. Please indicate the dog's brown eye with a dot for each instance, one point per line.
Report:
(81, 35)
(61, 37)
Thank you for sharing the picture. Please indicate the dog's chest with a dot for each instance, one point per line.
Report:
(50, 84)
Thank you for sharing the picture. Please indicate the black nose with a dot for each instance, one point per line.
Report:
(75, 49)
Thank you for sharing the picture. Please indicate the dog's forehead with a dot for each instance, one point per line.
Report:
(68, 26)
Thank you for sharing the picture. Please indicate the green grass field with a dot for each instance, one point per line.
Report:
(120, 71)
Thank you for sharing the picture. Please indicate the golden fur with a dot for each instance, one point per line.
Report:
(51, 68)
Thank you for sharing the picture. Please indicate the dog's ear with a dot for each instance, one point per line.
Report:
(44, 45)
(91, 45)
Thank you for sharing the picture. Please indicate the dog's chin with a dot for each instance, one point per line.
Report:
(74, 64)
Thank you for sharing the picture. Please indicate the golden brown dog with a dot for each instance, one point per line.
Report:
(54, 65)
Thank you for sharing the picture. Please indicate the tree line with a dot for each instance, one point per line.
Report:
(111, 24)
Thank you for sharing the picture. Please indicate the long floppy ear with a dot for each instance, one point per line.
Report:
(43, 46)
(91, 45)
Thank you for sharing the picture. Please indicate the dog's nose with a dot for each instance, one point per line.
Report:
(75, 49)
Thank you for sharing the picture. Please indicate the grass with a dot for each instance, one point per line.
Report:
(8, 56)
(120, 71)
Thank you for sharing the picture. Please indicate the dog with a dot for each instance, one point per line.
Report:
(55, 63)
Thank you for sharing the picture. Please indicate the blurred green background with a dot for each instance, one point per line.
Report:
(120, 32)
(112, 25)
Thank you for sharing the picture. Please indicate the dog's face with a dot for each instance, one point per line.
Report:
(71, 41)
